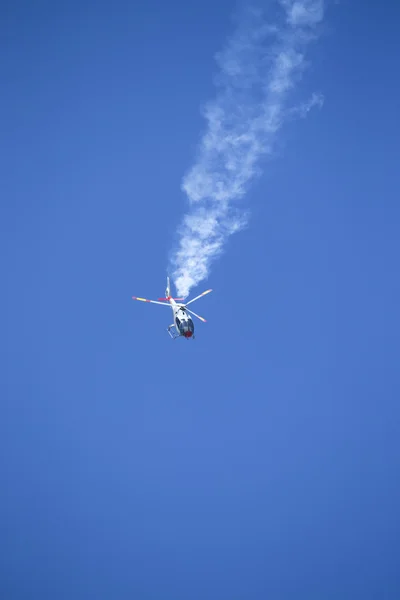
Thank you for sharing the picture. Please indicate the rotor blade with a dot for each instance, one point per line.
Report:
(177, 299)
(197, 297)
(198, 316)
(152, 301)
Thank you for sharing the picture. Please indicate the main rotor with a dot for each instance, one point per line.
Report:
(175, 302)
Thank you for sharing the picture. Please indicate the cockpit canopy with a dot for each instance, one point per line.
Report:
(185, 325)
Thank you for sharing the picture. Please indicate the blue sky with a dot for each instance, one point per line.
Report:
(262, 459)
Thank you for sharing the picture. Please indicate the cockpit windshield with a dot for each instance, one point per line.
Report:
(185, 326)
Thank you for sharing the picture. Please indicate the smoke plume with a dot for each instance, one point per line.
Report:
(259, 66)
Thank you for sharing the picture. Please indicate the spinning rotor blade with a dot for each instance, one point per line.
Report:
(198, 316)
(197, 297)
(152, 301)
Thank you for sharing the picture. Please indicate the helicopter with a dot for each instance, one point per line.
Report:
(183, 325)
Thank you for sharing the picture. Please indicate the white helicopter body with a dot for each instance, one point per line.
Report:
(183, 323)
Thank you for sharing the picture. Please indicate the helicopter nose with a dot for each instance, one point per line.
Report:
(188, 334)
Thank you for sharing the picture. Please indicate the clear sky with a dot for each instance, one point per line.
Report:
(261, 460)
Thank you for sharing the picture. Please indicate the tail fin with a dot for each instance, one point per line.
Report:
(168, 293)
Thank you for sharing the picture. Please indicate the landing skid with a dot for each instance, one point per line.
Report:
(173, 335)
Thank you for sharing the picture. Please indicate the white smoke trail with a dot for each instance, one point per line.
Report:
(258, 67)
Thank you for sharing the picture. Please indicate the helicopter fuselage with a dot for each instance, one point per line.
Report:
(182, 321)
